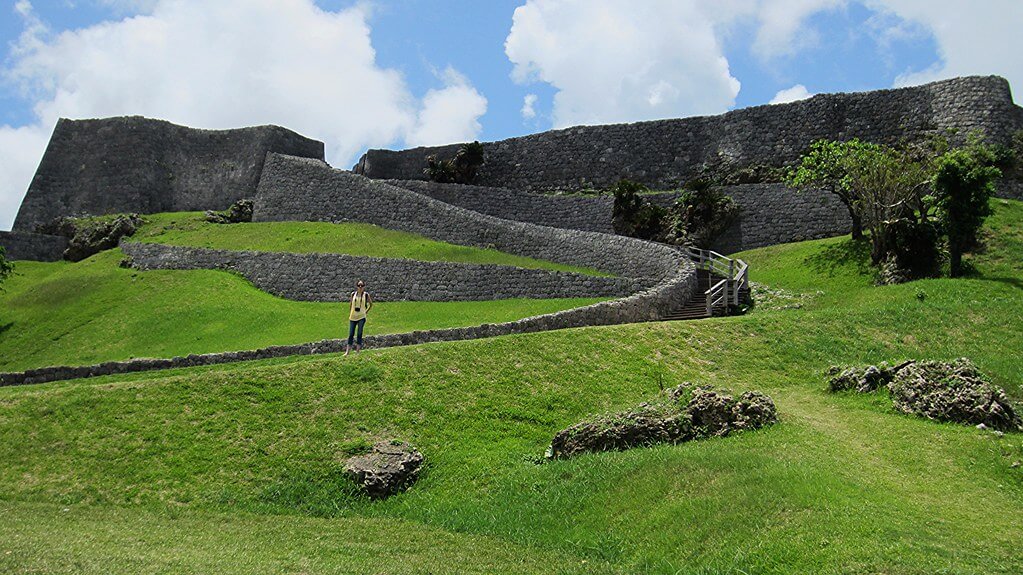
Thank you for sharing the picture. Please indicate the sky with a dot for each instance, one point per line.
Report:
(402, 73)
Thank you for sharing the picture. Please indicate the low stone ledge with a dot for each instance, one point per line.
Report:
(329, 277)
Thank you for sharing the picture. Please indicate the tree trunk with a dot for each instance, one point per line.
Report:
(955, 260)
(857, 224)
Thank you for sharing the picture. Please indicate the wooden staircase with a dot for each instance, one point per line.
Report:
(712, 269)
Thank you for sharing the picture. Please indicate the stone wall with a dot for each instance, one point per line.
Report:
(665, 153)
(771, 213)
(135, 164)
(331, 277)
(300, 189)
(37, 247)
(573, 212)
(775, 214)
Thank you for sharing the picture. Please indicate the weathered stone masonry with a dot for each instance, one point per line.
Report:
(572, 212)
(300, 189)
(135, 164)
(330, 277)
(37, 247)
(665, 153)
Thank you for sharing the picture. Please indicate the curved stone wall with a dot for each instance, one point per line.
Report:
(665, 153)
(331, 277)
(136, 164)
(573, 212)
(300, 189)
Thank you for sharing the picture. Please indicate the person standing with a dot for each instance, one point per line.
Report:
(360, 304)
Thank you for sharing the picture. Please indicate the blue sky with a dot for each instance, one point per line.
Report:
(413, 72)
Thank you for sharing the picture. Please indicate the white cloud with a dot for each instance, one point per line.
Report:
(623, 61)
(973, 38)
(20, 151)
(793, 94)
(226, 64)
(617, 61)
(450, 114)
(528, 102)
(782, 30)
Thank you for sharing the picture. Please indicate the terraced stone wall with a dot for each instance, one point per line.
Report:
(136, 164)
(332, 277)
(573, 212)
(665, 153)
(299, 189)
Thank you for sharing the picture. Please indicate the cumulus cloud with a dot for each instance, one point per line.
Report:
(226, 64)
(450, 114)
(972, 38)
(782, 30)
(528, 112)
(622, 61)
(617, 61)
(793, 94)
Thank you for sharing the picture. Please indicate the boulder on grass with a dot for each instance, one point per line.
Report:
(92, 235)
(390, 467)
(239, 212)
(683, 413)
(953, 391)
(862, 379)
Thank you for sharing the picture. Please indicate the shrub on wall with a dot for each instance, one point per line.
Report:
(699, 215)
(634, 216)
(458, 170)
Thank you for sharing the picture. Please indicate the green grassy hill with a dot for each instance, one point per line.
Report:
(190, 229)
(236, 468)
(94, 311)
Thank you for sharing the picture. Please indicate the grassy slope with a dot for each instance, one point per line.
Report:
(189, 229)
(94, 311)
(842, 485)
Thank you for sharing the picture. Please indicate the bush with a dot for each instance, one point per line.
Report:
(6, 267)
(699, 215)
(632, 215)
(461, 169)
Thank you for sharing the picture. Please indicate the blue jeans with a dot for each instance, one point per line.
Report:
(351, 330)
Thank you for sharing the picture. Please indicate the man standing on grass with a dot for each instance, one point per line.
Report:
(360, 304)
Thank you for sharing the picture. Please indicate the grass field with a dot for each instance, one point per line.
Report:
(236, 468)
(189, 229)
(93, 311)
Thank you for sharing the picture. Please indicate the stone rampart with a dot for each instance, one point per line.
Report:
(300, 189)
(37, 247)
(665, 153)
(573, 212)
(330, 277)
(136, 164)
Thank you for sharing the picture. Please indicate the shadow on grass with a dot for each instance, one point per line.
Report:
(970, 271)
(5, 327)
(1014, 282)
(845, 254)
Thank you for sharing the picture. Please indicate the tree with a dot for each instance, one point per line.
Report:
(825, 167)
(461, 169)
(963, 184)
(6, 267)
(633, 216)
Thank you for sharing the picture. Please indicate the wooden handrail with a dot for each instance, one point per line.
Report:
(726, 291)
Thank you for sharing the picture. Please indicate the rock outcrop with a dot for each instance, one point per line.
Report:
(684, 413)
(390, 467)
(953, 391)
